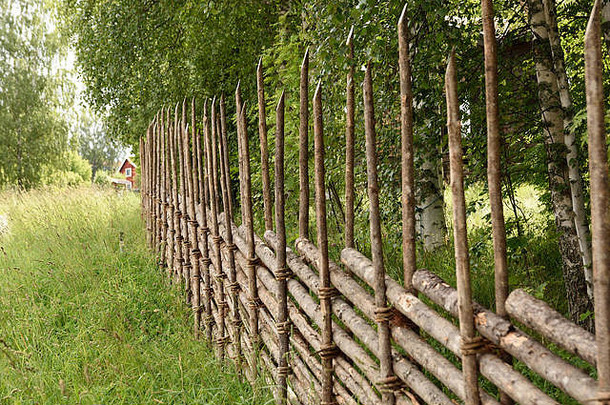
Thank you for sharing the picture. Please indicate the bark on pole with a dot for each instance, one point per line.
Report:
(387, 381)
(494, 162)
(538, 315)
(221, 338)
(408, 168)
(228, 215)
(439, 328)
(304, 148)
(470, 344)
(575, 178)
(328, 349)
(600, 199)
(253, 300)
(184, 194)
(570, 379)
(349, 145)
(177, 231)
(163, 190)
(262, 135)
(193, 223)
(202, 162)
(282, 272)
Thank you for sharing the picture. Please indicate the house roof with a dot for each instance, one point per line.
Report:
(125, 161)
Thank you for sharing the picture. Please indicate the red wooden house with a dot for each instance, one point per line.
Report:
(128, 169)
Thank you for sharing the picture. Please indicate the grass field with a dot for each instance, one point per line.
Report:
(82, 322)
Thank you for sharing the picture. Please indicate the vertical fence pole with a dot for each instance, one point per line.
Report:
(146, 194)
(349, 145)
(253, 299)
(470, 343)
(408, 167)
(388, 382)
(162, 190)
(234, 287)
(282, 271)
(600, 199)
(169, 212)
(192, 223)
(205, 230)
(328, 350)
(221, 303)
(304, 149)
(262, 134)
(155, 172)
(494, 170)
(177, 233)
(184, 192)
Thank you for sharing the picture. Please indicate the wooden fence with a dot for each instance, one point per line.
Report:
(346, 333)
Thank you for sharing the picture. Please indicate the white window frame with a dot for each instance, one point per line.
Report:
(128, 172)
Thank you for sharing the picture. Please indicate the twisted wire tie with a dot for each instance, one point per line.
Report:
(216, 239)
(234, 287)
(255, 303)
(206, 261)
(252, 261)
(283, 328)
(471, 346)
(283, 371)
(193, 222)
(383, 314)
(327, 293)
(222, 341)
(328, 352)
(208, 291)
(236, 322)
(196, 252)
(230, 247)
(283, 273)
(389, 384)
(209, 320)
(222, 305)
(205, 228)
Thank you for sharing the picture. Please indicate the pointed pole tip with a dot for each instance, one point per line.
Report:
(305, 58)
(350, 36)
(403, 15)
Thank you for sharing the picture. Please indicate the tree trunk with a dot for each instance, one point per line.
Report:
(576, 187)
(430, 214)
(552, 118)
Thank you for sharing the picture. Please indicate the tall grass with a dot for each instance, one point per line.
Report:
(83, 322)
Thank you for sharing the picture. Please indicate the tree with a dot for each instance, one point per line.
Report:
(32, 132)
(95, 145)
(553, 117)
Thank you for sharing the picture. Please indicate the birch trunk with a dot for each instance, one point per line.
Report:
(576, 187)
(430, 213)
(561, 199)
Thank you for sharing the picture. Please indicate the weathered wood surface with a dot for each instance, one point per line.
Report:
(570, 379)
(491, 366)
(539, 316)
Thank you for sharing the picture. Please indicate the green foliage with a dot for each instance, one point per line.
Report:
(82, 322)
(73, 171)
(33, 133)
(102, 178)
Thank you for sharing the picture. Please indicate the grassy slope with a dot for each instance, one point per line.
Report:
(81, 322)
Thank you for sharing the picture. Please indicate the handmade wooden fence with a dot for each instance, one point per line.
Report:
(315, 326)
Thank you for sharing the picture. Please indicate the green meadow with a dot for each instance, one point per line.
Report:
(84, 321)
